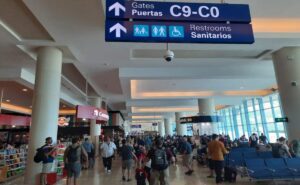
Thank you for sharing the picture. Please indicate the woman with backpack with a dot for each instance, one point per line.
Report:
(46, 154)
(72, 160)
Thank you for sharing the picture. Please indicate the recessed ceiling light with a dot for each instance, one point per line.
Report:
(24, 90)
(7, 100)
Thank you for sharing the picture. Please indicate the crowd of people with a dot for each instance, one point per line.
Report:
(152, 155)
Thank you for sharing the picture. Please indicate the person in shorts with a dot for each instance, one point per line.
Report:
(127, 155)
(187, 156)
(72, 159)
(159, 164)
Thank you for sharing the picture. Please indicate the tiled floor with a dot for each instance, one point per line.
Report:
(177, 177)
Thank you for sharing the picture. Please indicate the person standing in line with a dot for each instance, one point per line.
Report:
(210, 164)
(217, 151)
(48, 167)
(89, 148)
(187, 152)
(159, 164)
(108, 149)
(127, 154)
(72, 160)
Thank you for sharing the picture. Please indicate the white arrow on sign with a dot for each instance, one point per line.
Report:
(118, 28)
(117, 7)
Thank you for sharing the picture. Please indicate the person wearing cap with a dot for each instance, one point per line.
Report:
(216, 150)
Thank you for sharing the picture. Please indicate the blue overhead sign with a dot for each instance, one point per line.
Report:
(178, 32)
(174, 11)
(136, 126)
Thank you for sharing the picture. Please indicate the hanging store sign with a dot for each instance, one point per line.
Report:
(174, 11)
(90, 112)
(135, 126)
(179, 32)
(11, 120)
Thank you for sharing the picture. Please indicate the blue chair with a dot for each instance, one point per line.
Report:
(281, 171)
(250, 155)
(257, 170)
(265, 155)
(234, 159)
(294, 166)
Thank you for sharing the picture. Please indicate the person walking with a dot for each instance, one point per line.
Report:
(108, 149)
(187, 152)
(127, 154)
(217, 151)
(89, 148)
(159, 164)
(72, 160)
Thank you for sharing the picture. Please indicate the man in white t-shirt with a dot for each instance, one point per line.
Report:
(108, 149)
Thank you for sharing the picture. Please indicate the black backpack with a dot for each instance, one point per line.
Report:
(40, 155)
(230, 174)
(160, 161)
(140, 177)
(72, 154)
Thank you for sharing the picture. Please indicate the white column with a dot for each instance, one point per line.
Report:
(180, 128)
(287, 65)
(95, 129)
(207, 108)
(168, 127)
(161, 129)
(45, 107)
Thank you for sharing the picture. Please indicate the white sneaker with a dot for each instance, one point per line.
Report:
(105, 170)
(109, 171)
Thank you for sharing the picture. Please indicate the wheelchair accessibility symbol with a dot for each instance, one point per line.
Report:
(176, 31)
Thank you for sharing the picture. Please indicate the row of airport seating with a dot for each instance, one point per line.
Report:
(262, 166)
(273, 169)
(237, 157)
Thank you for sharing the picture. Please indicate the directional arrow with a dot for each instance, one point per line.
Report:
(117, 7)
(118, 28)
